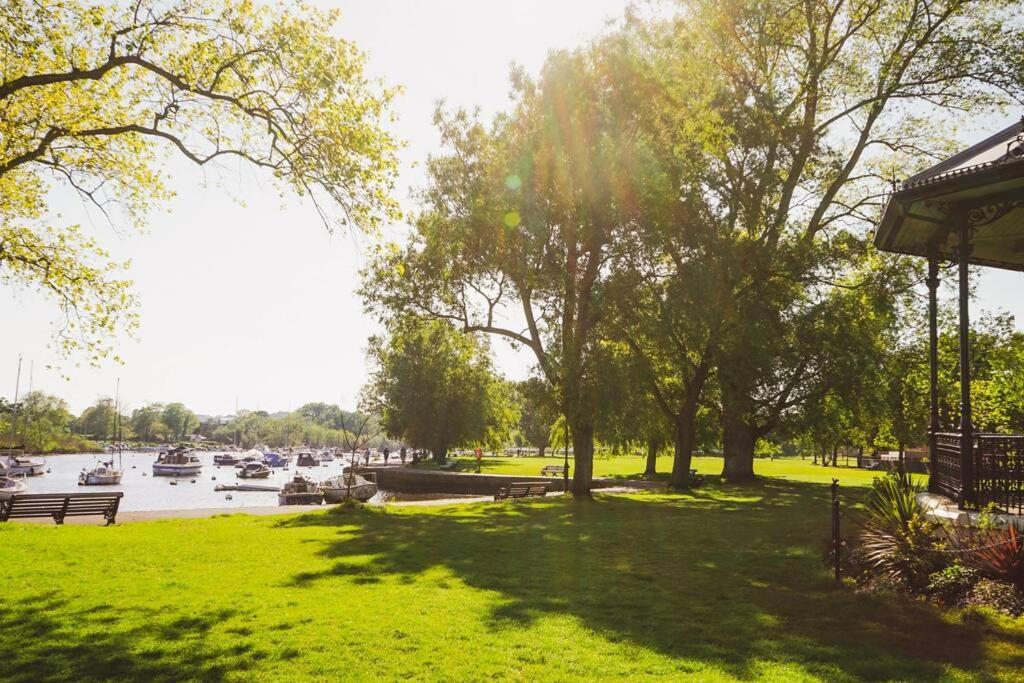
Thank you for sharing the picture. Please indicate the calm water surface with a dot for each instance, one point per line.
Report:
(143, 491)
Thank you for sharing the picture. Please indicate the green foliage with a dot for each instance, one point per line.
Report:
(179, 420)
(896, 537)
(95, 95)
(996, 552)
(950, 585)
(435, 387)
(998, 595)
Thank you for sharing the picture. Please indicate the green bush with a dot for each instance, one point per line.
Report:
(999, 595)
(997, 553)
(949, 586)
(896, 538)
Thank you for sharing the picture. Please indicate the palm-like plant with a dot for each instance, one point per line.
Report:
(997, 553)
(896, 537)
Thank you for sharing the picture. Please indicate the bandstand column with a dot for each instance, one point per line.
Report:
(966, 426)
(933, 369)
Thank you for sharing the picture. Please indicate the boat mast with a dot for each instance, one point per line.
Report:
(117, 424)
(14, 408)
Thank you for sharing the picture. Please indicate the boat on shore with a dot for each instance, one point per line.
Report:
(325, 455)
(10, 486)
(254, 470)
(345, 486)
(177, 462)
(103, 474)
(300, 491)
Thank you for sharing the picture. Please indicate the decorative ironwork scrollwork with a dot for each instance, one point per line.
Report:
(987, 214)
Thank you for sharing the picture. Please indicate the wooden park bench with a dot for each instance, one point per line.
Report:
(521, 489)
(553, 470)
(696, 479)
(60, 505)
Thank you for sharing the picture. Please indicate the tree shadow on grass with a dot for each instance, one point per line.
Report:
(732, 576)
(93, 644)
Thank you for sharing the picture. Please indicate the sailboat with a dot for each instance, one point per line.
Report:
(13, 460)
(104, 473)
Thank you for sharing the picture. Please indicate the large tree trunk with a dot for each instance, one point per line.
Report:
(860, 456)
(440, 453)
(583, 457)
(653, 446)
(684, 438)
(540, 450)
(738, 439)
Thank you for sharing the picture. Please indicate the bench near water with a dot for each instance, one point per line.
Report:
(553, 470)
(61, 505)
(521, 489)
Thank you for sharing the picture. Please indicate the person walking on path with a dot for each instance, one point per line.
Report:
(401, 454)
(387, 452)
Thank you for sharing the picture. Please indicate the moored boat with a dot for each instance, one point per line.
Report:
(22, 464)
(103, 474)
(307, 459)
(254, 470)
(276, 460)
(177, 462)
(341, 488)
(325, 455)
(300, 491)
(226, 459)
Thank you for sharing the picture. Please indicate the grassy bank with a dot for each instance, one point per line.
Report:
(726, 583)
(631, 466)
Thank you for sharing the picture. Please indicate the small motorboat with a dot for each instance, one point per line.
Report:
(300, 491)
(10, 486)
(103, 474)
(254, 470)
(177, 462)
(339, 489)
(307, 459)
(22, 464)
(226, 459)
(325, 456)
(276, 460)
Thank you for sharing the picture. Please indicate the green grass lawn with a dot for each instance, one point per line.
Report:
(629, 466)
(724, 583)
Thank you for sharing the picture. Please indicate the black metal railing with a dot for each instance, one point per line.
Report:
(998, 464)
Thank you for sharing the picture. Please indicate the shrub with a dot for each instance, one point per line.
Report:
(997, 553)
(896, 537)
(999, 595)
(950, 585)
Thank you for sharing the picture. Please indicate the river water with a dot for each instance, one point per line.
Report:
(143, 491)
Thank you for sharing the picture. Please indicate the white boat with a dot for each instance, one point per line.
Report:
(337, 489)
(325, 456)
(21, 464)
(254, 470)
(103, 474)
(176, 462)
(10, 486)
(300, 491)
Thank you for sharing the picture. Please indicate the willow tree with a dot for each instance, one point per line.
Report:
(94, 96)
(519, 224)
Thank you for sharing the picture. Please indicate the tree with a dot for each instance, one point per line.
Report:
(180, 421)
(93, 95)
(434, 386)
(523, 217)
(97, 421)
(816, 103)
(147, 422)
(538, 413)
(323, 414)
(44, 421)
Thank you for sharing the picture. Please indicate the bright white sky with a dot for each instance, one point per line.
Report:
(246, 295)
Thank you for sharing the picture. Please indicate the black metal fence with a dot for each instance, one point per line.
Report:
(998, 465)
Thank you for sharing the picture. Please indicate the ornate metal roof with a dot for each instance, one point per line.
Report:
(982, 186)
